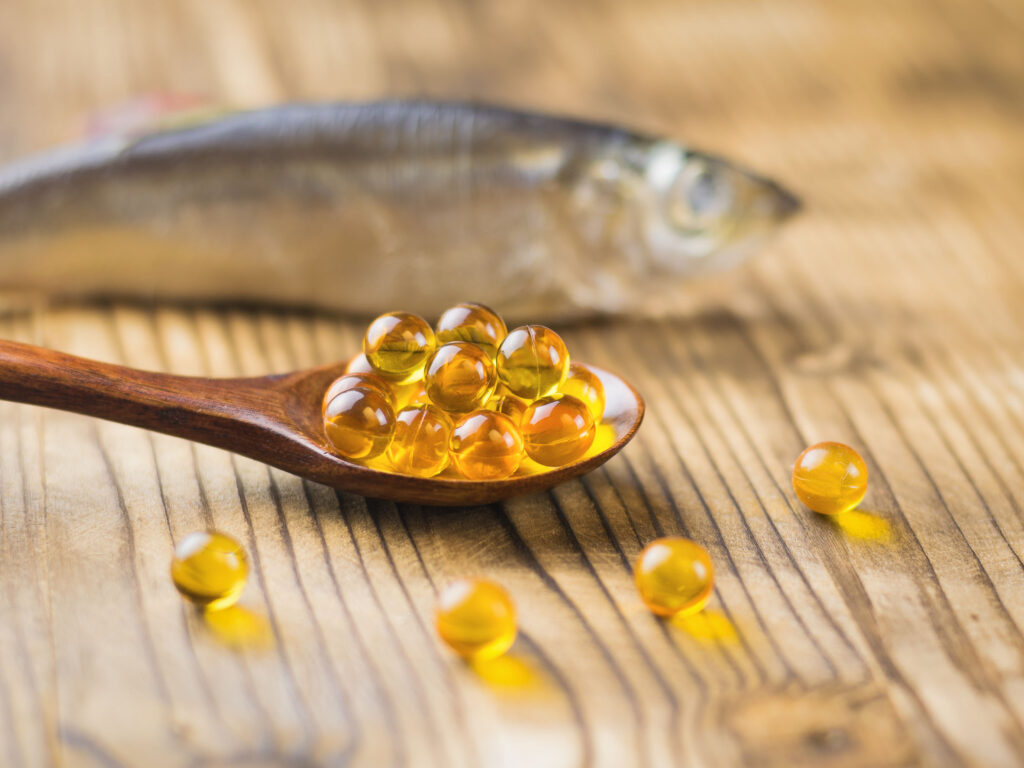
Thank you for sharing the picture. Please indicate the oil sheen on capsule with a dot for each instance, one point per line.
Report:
(674, 576)
(476, 619)
(459, 377)
(359, 364)
(209, 569)
(585, 385)
(505, 402)
(474, 323)
(532, 361)
(486, 445)
(352, 381)
(397, 345)
(557, 429)
(414, 393)
(830, 478)
(420, 443)
(359, 423)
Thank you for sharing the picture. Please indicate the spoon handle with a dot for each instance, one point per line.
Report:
(212, 411)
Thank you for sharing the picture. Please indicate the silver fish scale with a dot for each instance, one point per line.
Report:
(370, 207)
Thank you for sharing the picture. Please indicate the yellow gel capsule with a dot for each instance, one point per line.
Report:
(351, 381)
(486, 446)
(410, 394)
(583, 384)
(359, 364)
(459, 377)
(532, 361)
(359, 423)
(474, 323)
(209, 569)
(476, 619)
(557, 429)
(830, 478)
(674, 576)
(505, 402)
(420, 444)
(397, 346)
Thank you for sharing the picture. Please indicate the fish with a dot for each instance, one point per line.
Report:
(367, 207)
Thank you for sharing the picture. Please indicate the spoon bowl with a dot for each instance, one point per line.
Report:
(277, 420)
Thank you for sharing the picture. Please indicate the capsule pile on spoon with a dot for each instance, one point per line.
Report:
(466, 394)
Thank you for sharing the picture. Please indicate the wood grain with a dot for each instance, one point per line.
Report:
(889, 316)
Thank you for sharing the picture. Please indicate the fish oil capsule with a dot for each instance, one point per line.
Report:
(351, 381)
(410, 394)
(397, 346)
(532, 361)
(476, 619)
(474, 323)
(583, 384)
(420, 444)
(674, 576)
(505, 402)
(459, 377)
(359, 423)
(830, 478)
(486, 446)
(556, 430)
(359, 364)
(209, 569)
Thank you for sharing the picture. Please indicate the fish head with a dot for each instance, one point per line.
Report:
(699, 212)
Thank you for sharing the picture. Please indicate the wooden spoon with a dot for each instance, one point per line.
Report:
(274, 419)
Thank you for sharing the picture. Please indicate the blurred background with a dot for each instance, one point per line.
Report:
(888, 315)
(869, 111)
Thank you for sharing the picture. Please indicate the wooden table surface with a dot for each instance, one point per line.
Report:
(888, 316)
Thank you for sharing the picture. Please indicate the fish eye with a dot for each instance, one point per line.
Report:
(700, 196)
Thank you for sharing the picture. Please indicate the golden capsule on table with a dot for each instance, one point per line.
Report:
(209, 569)
(351, 381)
(420, 443)
(674, 576)
(830, 478)
(359, 423)
(476, 619)
(474, 323)
(459, 377)
(557, 429)
(532, 361)
(505, 402)
(486, 446)
(397, 346)
(583, 384)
